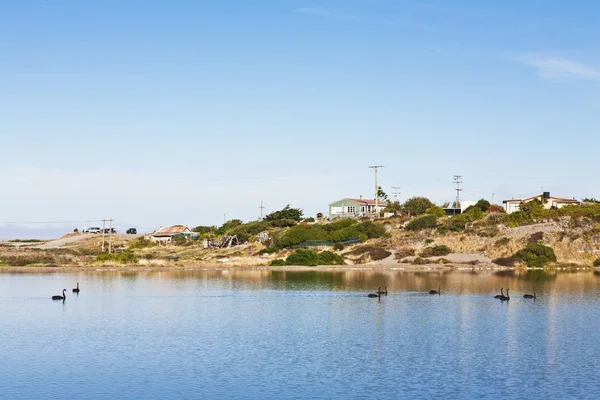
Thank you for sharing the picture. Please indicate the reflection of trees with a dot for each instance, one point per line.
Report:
(508, 273)
(538, 275)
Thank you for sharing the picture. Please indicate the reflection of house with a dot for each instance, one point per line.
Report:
(352, 208)
(548, 202)
(165, 234)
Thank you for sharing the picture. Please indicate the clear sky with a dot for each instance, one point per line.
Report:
(165, 112)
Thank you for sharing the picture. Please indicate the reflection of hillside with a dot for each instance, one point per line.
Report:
(474, 282)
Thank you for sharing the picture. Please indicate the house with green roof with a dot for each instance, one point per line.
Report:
(355, 208)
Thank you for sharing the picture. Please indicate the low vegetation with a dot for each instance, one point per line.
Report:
(310, 258)
(435, 251)
(126, 257)
(420, 223)
(536, 255)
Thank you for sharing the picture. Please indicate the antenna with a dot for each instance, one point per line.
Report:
(396, 192)
(261, 209)
(457, 181)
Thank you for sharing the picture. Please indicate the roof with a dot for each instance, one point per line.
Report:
(557, 199)
(170, 230)
(368, 202)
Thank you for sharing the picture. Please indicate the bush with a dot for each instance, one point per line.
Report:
(428, 241)
(128, 257)
(141, 243)
(338, 246)
(435, 251)
(483, 205)
(404, 252)
(424, 222)
(103, 257)
(536, 255)
(505, 261)
(287, 212)
(597, 262)
(277, 263)
(417, 205)
(283, 223)
(502, 242)
(125, 257)
(495, 208)
(267, 250)
(309, 219)
(436, 210)
(311, 258)
(330, 258)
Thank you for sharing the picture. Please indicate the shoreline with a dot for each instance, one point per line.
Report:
(212, 267)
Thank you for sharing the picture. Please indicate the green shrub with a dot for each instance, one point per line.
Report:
(363, 238)
(597, 262)
(435, 251)
(267, 250)
(330, 258)
(277, 263)
(436, 210)
(417, 205)
(309, 219)
(483, 205)
(338, 246)
(103, 257)
(128, 257)
(141, 243)
(287, 212)
(474, 213)
(311, 258)
(424, 222)
(505, 261)
(283, 223)
(502, 242)
(536, 255)
(427, 241)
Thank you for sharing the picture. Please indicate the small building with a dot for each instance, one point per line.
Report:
(354, 208)
(549, 202)
(165, 234)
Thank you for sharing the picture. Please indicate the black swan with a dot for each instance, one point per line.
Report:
(530, 296)
(504, 298)
(378, 294)
(384, 291)
(501, 295)
(64, 296)
(76, 290)
(439, 291)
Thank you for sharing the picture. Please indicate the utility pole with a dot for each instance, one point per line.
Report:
(103, 228)
(110, 236)
(261, 209)
(376, 167)
(396, 192)
(457, 181)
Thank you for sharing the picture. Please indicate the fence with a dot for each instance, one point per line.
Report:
(323, 243)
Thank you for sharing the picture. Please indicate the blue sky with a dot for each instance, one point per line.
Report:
(163, 112)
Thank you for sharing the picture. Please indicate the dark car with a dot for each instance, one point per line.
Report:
(132, 231)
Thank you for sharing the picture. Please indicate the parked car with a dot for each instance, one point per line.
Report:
(93, 229)
(132, 231)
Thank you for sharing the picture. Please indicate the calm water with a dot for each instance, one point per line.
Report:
(284, 335)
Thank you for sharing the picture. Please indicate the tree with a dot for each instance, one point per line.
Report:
(483, 204)
(392, 207)
(381, 195)
(285, 213)
(417, 205)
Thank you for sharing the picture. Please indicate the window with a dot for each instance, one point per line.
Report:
(363, 209)
(351, 209)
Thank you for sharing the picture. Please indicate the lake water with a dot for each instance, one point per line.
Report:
(298, 335)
